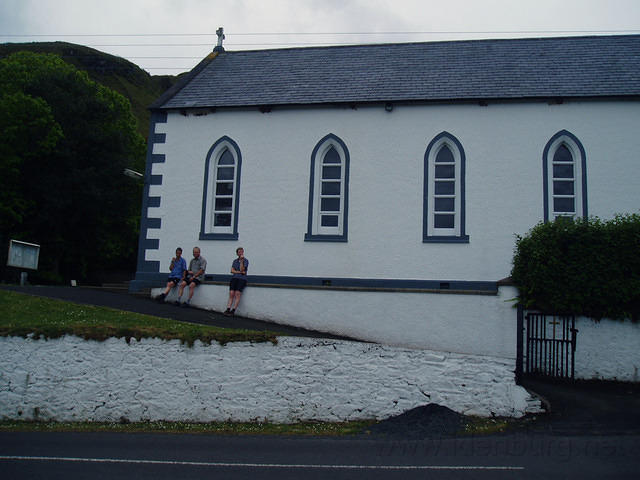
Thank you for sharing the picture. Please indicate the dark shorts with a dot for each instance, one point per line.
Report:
(237, 284)
(174, 280)
(189, 279)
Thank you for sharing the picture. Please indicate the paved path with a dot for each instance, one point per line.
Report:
(599, 408)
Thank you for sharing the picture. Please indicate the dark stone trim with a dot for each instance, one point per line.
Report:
(145, 267)
(461, 287)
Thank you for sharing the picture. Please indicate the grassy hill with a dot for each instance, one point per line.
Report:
(114, 72)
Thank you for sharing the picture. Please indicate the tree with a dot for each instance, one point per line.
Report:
(69, 141)
(28, 131)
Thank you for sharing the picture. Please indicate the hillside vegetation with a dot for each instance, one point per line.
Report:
(114, 72)
(66, 141)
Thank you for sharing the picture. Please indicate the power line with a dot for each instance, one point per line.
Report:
(227, 44)
(288, 42)
(108, 35)
(432, 32)
(231, 43)
(441, 32)
(149, 45)
(167, 58)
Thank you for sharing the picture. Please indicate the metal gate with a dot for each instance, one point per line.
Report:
(550, 345)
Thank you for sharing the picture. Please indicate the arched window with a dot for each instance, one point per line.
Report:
(221, 191)
(444, 191)
(328, 191)
(565, 177)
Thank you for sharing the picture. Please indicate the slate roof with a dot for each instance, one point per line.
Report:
(593, 66)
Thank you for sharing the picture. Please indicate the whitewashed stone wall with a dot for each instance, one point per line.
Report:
(70, 379)
(607, 350)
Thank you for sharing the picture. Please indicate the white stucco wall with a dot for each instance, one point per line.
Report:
(474, 324)
(503, 144)
(70, 379)
(607, 350)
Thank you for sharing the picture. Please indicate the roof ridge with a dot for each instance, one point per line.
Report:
(435, 42)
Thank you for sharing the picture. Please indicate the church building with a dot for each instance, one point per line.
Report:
(377, 190)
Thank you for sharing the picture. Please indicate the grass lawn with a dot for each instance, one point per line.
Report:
(23, 315)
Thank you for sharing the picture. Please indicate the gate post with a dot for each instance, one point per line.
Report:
(574, 334)
(519, 343)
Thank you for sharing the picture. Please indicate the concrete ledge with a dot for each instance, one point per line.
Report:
(464, 287)
(360, 289)
(70, 379)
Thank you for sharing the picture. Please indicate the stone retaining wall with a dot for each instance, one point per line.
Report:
(70, 379)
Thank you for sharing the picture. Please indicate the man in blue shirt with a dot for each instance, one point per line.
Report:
(239, 269)
(192, 277)
(178, 267)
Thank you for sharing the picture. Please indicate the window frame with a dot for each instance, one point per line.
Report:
(207, 229)
(316, 232)
(571, 142)
(431, 233)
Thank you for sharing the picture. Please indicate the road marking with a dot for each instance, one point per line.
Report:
(260, 465)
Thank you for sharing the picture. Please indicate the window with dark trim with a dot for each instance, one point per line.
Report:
(328, 191)
(444, 191)
(565, 177)
(221, 191)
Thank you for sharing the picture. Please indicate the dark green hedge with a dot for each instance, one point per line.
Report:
(584, 267)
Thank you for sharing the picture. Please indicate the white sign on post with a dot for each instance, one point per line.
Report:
(23, 255)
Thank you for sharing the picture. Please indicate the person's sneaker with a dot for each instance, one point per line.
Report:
(233, 311)
(160, 298)
(177, 303)
(227, 312)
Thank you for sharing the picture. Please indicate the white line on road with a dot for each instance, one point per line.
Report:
(261, 465)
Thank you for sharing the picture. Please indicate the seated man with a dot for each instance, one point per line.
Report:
(177, 268)
(193, 276)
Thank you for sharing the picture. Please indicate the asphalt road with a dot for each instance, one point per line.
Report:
(156, 457)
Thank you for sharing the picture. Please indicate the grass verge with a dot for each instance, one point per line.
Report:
(473, 426)
(213, 428)
(24, 315)
(488, 426)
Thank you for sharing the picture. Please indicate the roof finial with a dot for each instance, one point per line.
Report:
(221, 37)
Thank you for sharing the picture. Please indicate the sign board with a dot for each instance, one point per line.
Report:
(23, 255)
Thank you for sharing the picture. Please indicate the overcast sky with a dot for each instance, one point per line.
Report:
(171, 36)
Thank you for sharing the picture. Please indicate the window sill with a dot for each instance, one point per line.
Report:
(218, 236)
(446, 239)
(325, 238)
